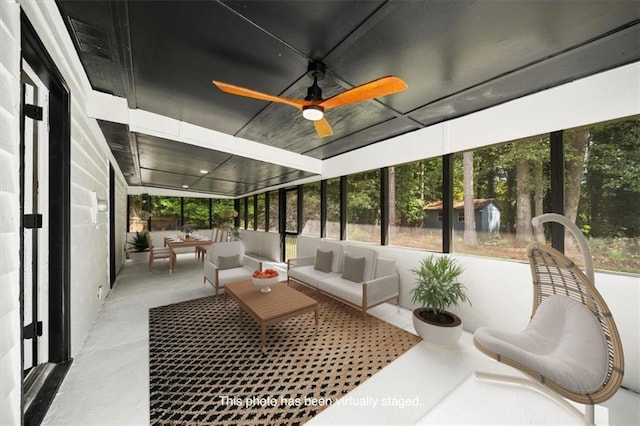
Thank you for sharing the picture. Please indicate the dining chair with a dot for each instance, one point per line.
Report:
(159, 253)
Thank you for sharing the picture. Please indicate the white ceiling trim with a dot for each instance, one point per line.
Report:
(151, 190)
(102, 106)
(600, 97)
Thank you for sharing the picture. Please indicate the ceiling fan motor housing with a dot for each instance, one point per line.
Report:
(314, 92)
(316, 70)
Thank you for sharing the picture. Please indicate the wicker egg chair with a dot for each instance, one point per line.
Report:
(581, 360)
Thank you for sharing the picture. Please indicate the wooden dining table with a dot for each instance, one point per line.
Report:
(182, 242)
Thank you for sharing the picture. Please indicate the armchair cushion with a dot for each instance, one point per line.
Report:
(323, 260)
(353, 268)
(228, 262)
(563, 342)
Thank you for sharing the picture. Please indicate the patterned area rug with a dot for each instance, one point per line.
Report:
(206, 366)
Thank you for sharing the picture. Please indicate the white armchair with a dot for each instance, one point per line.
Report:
(227, 263)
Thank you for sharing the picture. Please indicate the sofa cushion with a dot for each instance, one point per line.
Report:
(323, 260)
(353, 268)
(370, 255)
(308, 275)
(338, 250)
(342, 289)
(228, 262)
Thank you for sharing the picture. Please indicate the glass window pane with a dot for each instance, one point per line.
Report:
(261, 213)
(497, 190)
(249, 201)
(414, 190)
(311, 209)
(292, 211)
(242, 223)
(165, 214)
(333, 208)
(196, 213)
(223, 213)
(363, 207)
(138, 215)
(273, 212)
(602, 192)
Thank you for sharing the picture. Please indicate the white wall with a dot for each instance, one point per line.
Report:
(90, 157)
(10, 342)
(502, 295)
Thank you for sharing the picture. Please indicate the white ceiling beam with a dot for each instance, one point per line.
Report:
(102, 106)
(164, 192)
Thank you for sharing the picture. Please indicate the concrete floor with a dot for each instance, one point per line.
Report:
(108, 382)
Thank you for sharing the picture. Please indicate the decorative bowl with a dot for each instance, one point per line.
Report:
(264, 283)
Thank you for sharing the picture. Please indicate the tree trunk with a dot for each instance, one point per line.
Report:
(523, 201)
(392, 202)
(470, 235)
(538, 197)
(574, 170)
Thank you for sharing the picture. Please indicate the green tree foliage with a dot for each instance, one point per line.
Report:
(196, 212)
(311, 209)
(611, 202)
(223, 213)
(416, 184)
(363, 191)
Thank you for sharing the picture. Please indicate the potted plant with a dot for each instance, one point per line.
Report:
(438, 288)
(233, 234)
(188, 230)
(140, 244)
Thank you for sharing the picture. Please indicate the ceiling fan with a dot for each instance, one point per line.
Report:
(313, 106)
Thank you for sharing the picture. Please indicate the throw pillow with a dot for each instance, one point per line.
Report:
(228, 262)
(323, 260)
(353, 268)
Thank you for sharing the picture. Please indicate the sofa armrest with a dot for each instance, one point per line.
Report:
(382, 289)
(300, 261)
(252, 263)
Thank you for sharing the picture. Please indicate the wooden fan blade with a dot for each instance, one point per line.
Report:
(374, 89)
(248, 93)
(323, 129)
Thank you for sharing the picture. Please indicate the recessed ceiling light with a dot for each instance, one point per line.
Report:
(204, 171)
(185, 186)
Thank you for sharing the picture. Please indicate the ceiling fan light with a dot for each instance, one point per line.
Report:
(313, 112)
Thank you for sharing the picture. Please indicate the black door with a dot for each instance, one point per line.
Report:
(34, 191)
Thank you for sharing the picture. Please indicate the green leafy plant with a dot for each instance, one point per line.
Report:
(234, 234)
(140, 241)
(437, 286)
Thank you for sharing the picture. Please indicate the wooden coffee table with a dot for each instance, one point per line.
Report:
(267, 309)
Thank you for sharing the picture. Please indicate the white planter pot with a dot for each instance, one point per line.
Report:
(438, 334)
(139, 256)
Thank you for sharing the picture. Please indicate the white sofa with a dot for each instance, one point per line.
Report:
(226, 263)
(379, 283)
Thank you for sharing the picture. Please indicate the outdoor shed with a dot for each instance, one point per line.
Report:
(487, 213)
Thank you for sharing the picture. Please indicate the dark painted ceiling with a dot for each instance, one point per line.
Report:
(457, 57)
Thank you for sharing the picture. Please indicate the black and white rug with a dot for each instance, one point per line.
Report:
(206, 366)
